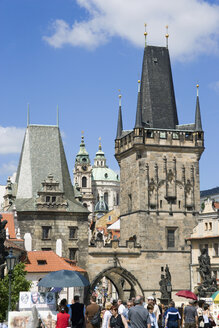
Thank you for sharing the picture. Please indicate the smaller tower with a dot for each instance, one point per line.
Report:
(100, 159)
(82, 176)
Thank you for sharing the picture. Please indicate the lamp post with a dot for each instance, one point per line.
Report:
(10, 261)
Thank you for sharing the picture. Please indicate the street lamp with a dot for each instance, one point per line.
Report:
(10, 261)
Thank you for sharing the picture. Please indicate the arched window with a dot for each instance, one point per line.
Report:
(84, 182)
(106, 197)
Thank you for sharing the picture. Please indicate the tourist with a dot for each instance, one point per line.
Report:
(63, 319)
(117, 320)
(200, 313)
(153, 319)
(207, 316)
(138, 315)
(152, 300)
(173, 317)
(64, 303)
(107, 315)
(121, 307)
(129, 305)
(77, 313)
(190, 316)
(92, 310)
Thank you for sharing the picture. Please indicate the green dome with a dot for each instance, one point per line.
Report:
(101, 206)
(104, 173)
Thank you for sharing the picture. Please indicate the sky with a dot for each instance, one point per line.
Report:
(77, 54)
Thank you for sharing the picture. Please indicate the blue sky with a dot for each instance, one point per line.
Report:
(78, 53)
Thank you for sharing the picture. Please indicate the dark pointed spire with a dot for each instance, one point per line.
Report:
(157, 98)
(138, 120)
(119, 124)
(198, 121)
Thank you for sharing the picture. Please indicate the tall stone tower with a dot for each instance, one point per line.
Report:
(159, 168)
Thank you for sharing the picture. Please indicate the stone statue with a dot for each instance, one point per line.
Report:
(3, 252)
(204, 265)
(165, 284)
(209, 283)
(163, 288)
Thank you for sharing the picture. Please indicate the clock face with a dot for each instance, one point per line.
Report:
(84, 167)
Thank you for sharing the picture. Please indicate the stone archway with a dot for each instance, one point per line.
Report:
(125, 282)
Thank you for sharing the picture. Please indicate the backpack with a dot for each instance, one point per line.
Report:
(95, 321)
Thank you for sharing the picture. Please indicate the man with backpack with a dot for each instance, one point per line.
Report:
(92, 314)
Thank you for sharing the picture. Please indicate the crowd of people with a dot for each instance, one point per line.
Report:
(134, 314)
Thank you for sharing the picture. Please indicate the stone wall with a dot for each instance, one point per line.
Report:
(59, 223)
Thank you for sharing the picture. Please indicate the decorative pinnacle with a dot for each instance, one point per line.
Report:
(167, 36)
(139, 82)
(120, 96)
(100, 143)
(145, 34)
(197, 86)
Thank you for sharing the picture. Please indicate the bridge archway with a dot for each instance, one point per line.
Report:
(125, 282)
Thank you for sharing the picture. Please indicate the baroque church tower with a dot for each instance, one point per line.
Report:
(159, 168)
(83, 176)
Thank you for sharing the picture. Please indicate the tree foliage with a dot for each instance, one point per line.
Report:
(18, 283)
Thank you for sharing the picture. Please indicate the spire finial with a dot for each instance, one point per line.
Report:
(57, 115)
(120, 96)
(197, 86)
(82, 136)
(28, 114)
(100, 143)
(145, 34)
(167, 36)
(139, 84)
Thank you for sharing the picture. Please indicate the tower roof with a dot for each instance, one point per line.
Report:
(157, 100)
(43, 154)
(82, 155)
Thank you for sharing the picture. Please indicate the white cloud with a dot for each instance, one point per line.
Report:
(11, 139)
(193, 25)
(9, 169)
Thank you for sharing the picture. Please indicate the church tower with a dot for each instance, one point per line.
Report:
(82, 176)
(159, 170)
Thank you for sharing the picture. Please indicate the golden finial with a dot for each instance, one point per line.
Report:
(197, 86)
(167, 36)
(145, 34)
(120, 96)
(100, 143)
(139, 85)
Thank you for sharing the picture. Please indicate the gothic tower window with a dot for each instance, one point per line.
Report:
(117, 198)
(170, 238)
(72, 232)
(84, 182)
(73, 254)
(161, 204)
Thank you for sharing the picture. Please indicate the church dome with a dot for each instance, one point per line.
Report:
(104, 174)
(101, 206)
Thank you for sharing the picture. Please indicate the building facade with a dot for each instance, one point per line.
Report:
(205, 235)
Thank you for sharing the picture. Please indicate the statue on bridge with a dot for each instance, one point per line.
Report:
(165, 286)
(209, 283)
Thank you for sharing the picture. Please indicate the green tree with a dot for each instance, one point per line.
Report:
(19, 283)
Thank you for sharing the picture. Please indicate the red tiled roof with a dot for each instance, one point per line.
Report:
(53, 262)
(10, 225)
(10, 244)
